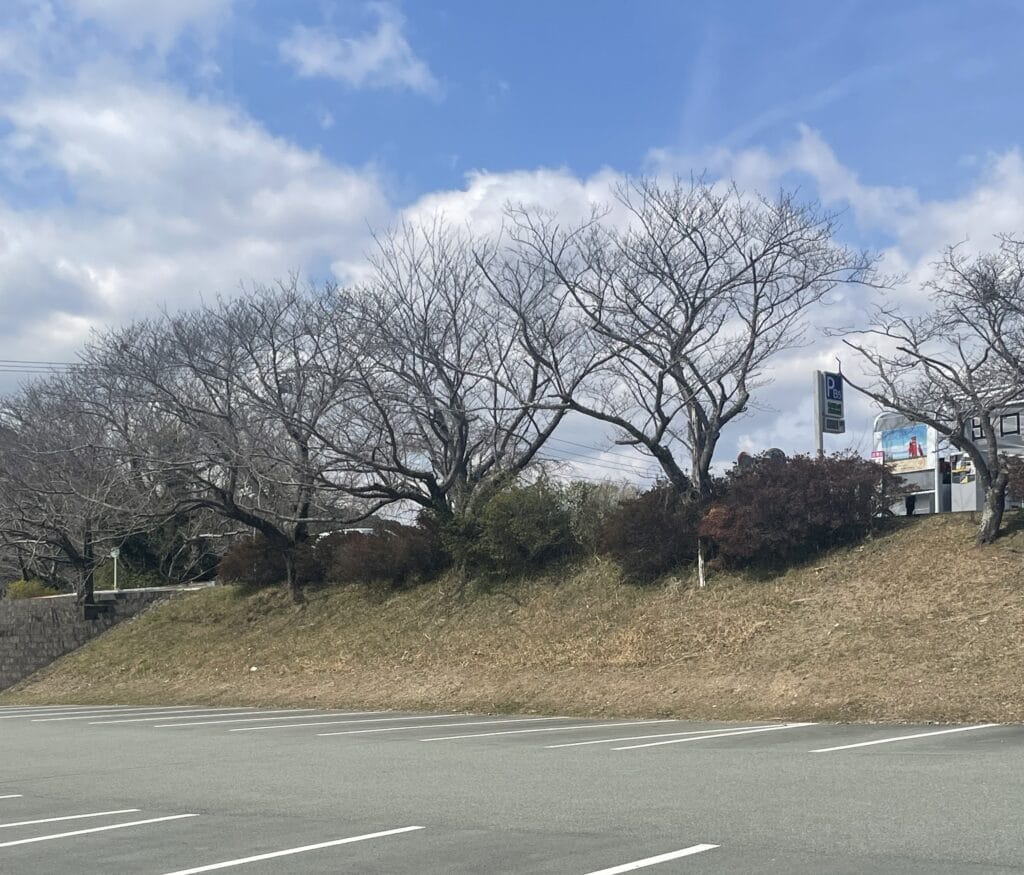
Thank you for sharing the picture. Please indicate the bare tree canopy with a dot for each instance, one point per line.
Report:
(68, 493)
(957, 363)
(685, 306)
(449, 400)
(232, 395)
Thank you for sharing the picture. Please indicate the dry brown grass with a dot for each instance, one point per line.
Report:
(915, 625)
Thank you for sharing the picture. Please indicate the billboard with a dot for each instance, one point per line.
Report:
(905, 448)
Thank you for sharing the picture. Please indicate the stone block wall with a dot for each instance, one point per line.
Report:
(35, 632)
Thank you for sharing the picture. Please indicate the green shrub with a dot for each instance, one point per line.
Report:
(518, 530)
(778, 512)
(591, 506)
(28, 589)
(128, 577)
(652, 534)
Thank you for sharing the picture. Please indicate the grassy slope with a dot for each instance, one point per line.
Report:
(915, 625)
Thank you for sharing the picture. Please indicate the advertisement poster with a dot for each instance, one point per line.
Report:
(906, 449)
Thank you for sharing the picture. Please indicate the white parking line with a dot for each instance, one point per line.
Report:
(68, 817)
(243, 860)
(236, 714)
(653, 861)
(642, 737)
(157, 712)
(50, 712)
(547, 729)
(11, 796)
(229, 718)
(904, 737)
(237, 718)
(82, 832)
(439, 725)
(714, 735)
(338, 722)
(13, 708)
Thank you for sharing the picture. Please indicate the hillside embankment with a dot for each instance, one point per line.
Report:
(915, 625)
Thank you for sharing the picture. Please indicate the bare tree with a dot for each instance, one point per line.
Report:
(450, 401)
(233, 395)
(686, 306)
(67, 492)
(958, 364)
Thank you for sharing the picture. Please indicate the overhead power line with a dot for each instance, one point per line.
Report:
(625, 465)
(34, 368)
(624, 453)
(622, 472)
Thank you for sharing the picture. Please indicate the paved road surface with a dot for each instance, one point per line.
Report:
(154, 791)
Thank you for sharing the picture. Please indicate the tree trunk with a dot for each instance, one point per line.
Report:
(294, 587)
(87, 596)
(992, 513)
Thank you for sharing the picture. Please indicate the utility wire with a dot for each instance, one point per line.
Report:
(599, 463)
(610, 452)
(623, 472)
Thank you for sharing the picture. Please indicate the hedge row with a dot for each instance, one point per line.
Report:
(768, 514)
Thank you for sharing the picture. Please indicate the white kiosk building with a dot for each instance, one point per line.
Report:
(939, 483)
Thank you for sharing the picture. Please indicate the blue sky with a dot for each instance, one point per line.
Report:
(159, 151)
(911, 91)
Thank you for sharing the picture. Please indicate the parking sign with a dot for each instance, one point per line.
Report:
(832, 421)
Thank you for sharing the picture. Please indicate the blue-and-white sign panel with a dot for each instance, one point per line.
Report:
(832, 413)
(833, 387)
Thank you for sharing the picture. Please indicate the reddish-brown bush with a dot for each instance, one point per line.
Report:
(393, 554)
(777, 512)
(257, 562)
(652, 534)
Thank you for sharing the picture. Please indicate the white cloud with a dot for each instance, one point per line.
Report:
(167, 198)
(156, 22)
(381, 58)
(914, 231)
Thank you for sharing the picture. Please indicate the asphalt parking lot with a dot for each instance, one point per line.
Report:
(177, 791)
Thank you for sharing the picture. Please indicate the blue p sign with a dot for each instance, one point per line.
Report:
(834, 387)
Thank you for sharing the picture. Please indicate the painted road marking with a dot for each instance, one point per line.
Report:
(238, 714)
(82, 832)
(69, 817)
(713, 736)
(439, 726)
(11, 796)
(547, 729)
(642, 737)
(338, 722)
(204, 712)
(12, 708)
(254, 719)
(230, 719)
(905, 737)
(653, 861)
(302, 850)
(50, 712)
(158, 712)
(63, 715)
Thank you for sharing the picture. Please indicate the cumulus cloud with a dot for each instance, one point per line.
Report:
(166, 197)
(119, 194)
(913, 231)
(381, 58)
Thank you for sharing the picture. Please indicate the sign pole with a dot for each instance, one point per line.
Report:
(819, 408)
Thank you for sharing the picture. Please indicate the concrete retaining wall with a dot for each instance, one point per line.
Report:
(35, 632)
